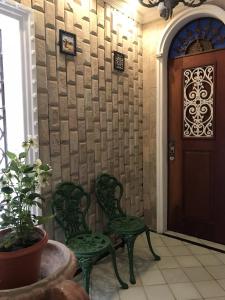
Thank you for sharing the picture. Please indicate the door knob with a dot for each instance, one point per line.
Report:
(171, 150)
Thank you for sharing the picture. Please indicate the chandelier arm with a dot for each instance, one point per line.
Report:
(151, 3)
(191, 3)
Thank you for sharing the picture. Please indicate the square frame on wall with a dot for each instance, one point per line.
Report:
(119, 61)
(67, 42)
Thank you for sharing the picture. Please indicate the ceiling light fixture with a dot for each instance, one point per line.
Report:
(166, 6)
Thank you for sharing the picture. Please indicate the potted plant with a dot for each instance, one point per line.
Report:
(21, 241)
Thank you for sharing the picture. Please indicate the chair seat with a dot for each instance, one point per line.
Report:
(127, 225)
(89, 244)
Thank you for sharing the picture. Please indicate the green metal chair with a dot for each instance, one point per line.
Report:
(70, 205)
(109, 192)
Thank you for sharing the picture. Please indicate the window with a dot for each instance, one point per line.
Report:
(2, 111)
(18, 108)
(18, 103)
(12, 116)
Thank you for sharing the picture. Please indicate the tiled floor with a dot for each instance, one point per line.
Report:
(184, 272)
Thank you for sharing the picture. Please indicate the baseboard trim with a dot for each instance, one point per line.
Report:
(194, 243)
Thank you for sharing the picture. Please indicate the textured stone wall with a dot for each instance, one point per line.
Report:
(90, 117)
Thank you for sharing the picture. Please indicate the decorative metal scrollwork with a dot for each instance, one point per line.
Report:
(198, 36)
(166, 6)
(198, 102)
(190, 3)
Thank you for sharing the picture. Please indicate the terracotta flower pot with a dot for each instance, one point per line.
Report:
(22, 267)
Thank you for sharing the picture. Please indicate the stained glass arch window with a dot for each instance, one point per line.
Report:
(200, 35)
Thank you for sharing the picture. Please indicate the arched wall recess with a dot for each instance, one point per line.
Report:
(162, 99)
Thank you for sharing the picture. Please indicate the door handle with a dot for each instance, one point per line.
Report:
(171, 150)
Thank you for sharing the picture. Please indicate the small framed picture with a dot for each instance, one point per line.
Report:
(67, 42)
(119, 61)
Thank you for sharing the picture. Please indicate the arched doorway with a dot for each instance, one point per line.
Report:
(162, 54)
(196, 166)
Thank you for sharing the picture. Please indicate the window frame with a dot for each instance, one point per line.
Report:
(28, 61)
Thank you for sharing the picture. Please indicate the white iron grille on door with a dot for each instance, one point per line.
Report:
(199, 102)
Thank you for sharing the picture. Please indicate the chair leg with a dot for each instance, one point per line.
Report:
(86, 266)
(130, 250)
(122, 283)
(156, 257)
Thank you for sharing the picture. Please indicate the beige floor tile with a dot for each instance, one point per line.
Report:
(197, 274)
(209, 289)
(143, 265)
(188, 261)
(103, 295)
(218, 272)
(222, 283)
(152, 277)
(143, 253)
(133, 293)
(155, 235)
(198, 250)
(208, 260)
(177, 268)
(167, 262)
(158, 292)
(163, 251)
(221, 256)
(157, 242)
(123, 267)
(99, 280)
(179, 250)
(143, 260)
(175, 276)
(184, 291)
(171, 242)
(141, 241)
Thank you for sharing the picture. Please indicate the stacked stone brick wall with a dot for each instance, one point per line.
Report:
(90, 116)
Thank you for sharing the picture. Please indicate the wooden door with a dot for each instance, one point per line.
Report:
(196, 139)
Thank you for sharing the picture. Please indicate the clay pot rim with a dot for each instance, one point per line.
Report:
(27, 250)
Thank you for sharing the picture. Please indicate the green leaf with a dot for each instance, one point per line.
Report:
(33, 196)
(22, 155)
(27, 180)
(28, 169)
(44, 167)
(25, 190)
(21, 197)
(14, 166)
(7, 190)
(11, 155)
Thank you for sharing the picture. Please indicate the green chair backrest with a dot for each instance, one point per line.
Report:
(70, 204)
(109, 192)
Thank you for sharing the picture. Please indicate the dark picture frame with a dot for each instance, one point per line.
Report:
(119, 61)
(67, 42)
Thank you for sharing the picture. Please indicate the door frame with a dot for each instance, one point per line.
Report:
(169, 32)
